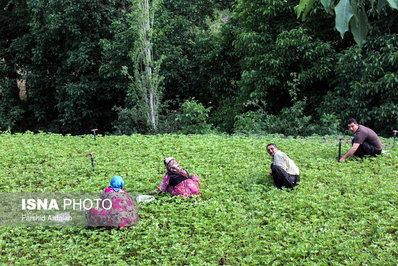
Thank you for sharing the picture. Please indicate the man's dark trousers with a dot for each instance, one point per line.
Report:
(282, 178)
(366, 149)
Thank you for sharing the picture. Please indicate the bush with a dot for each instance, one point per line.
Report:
(250, 123)
(193, 119)
(129, 121)
(329, 124)
(290, 121)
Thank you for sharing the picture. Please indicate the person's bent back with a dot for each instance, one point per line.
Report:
(117, 207)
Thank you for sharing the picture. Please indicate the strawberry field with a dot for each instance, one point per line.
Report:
(341, 213)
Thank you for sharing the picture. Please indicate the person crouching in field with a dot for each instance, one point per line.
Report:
(283, 170)
(177, 181)
(122, 212)
(365, 142)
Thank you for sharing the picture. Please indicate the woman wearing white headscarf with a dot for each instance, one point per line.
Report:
(177, 181)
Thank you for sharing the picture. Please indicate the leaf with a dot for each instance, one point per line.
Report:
(300, 7)
(308, 7)
(393, 3)
(307, 4)
(343, 16)
(327, 5)
(359, 26)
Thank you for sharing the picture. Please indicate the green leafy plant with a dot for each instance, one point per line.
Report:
(193, 118)
(351, 15)
(341, 213)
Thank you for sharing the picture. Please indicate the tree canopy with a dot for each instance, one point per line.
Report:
(241, 66)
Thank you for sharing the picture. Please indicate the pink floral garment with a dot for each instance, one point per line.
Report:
(122, 213)
(186, 188)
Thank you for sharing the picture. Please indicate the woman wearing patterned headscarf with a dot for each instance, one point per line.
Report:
(122, 212)
(177, 181)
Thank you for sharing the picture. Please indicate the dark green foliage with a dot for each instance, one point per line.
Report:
(178, 24)
(129, 121)
(367, 82)
(219, 72)
(352, 15)
(60, 55)
(69, 92)
(285, 64)
(280, 58)
(290, 121)
(292, 65)
(199, 60)
(253, 63)
(14, 40)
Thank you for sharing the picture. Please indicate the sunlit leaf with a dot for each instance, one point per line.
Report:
(393, 3)
(305, 5)
(343, 16)
(301, 7)
(359, 26)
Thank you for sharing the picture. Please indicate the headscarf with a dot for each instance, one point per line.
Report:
(117, 183)
(176, 173)
(172, 165)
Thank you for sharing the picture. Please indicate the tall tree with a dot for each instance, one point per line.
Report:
(15, 43)
(68, 88)
(283, 60)
(146, 71)
(179, 22)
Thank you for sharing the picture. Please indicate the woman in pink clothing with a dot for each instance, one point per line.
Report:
(177, 181)
(120, 214)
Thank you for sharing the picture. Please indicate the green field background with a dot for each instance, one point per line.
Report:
(341, 213)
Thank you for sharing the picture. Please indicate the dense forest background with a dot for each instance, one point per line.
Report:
(244, 66)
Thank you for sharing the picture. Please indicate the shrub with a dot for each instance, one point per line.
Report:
(290, 121)
(129, 121)
(193, 118)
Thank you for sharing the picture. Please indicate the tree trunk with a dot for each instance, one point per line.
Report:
(148, 61)
(146, 72)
